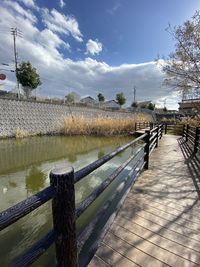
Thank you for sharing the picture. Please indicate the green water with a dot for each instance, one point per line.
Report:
(24, 169)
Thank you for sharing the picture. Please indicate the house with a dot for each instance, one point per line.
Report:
(189, 107)
(112, 104)
(144, 104)
(88, 100)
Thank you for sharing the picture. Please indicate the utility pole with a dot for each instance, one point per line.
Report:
(15, 32)
(165, 103)
(134, 92)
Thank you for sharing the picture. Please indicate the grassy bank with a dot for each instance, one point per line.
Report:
(103, 126)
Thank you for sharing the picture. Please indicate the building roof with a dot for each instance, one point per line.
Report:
(88, 99)
(144, 103)
(111, 103)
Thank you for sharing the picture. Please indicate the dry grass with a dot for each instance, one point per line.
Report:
(178, 124)
(20, 133)
(105, 126)
(190, 121)
(184, 120)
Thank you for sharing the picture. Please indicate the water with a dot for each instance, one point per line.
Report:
(24, 169)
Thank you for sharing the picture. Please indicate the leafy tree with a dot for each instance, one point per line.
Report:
(165, 109)
(120, 98)
(134, 105)
(70, 98)
(151, 106)
(101, 98)
(183, 65)
(28, 77)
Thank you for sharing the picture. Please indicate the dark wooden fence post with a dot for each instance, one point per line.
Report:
(183, 132)
(63, 209)
(135, 126)
(146, 149)
(161, 130)
(165, 128)
(187, 131)
(157, 136)
(151, 125)
(196, 141)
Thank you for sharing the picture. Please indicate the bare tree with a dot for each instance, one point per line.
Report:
(183, 65)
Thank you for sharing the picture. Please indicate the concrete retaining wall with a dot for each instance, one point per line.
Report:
(42, 118)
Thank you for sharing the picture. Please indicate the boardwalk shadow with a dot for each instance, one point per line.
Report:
(193, 163)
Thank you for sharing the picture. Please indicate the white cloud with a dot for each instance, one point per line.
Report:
(93, 47)
(62, 3)
(30, 3)
(21, 11)
(87, 76)
(60, 23)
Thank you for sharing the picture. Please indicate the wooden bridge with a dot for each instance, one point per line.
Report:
(159, 222)
(158, 218)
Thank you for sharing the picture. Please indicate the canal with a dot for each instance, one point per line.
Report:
(24, 169)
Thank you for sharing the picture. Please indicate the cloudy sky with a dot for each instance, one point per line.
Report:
(93, 46)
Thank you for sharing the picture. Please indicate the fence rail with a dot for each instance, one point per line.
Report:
(62, 193)
(142, 125)
(190, 133)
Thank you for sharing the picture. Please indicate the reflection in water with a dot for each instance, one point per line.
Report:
(20, 154)
(35, 180)
(24, 169)
(101, 153)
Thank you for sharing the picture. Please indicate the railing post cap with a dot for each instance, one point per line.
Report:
(62, 169)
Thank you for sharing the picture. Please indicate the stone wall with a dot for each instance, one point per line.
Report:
(43, 118)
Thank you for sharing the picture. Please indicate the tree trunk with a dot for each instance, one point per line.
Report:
(27, 91)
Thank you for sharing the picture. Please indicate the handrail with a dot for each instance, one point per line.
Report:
(190, 133)
(36, 250)
(61, 191)
(83, 236)
(142, 125)
(92, 197)
(18, 211)
(96, 164)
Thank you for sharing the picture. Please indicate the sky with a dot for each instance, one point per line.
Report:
(93, 46)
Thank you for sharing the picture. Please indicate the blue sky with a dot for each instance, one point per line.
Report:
(94, 46)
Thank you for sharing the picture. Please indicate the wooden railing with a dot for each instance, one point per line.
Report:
(62, 193)
(192, 136)
(143, 125)
(173, 128)
(189, 132)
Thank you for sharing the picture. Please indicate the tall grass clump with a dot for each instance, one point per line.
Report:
(183, 120)
(190, 121)
(106, 126)
(20, 133)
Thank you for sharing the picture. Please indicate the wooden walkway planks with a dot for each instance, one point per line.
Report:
(159, 222)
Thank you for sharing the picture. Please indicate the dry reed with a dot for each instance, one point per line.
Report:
(20, 133)
(190, 121)
(105, 126)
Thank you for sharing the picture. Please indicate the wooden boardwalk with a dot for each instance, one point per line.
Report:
(159, 222)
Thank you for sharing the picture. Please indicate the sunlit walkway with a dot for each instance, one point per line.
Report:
(159, 222)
